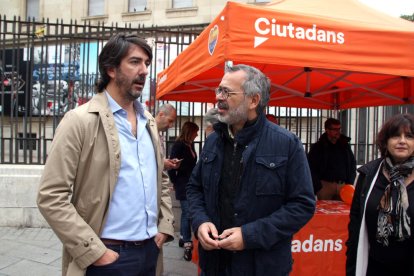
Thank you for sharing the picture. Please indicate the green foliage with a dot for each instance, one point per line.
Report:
(408, 17)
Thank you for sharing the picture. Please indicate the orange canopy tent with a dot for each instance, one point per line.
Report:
(329, 54)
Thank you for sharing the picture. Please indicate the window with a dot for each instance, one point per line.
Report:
(137, 5)
(96, 7)
(32, 9)
(182, 4)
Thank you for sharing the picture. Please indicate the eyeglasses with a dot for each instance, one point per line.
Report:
(225, 92)
(335, 128)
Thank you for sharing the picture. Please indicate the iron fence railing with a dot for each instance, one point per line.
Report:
(48, 68)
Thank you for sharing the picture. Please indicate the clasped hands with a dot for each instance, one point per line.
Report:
(230, 239)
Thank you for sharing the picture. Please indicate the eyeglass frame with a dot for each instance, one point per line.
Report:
(334, 128)
(225, 92)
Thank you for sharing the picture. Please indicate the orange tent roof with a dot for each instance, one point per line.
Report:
(331, 54)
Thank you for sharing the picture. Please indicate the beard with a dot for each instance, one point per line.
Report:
(126, 85)
(233, 116)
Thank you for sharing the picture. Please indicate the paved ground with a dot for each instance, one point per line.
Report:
(37, 252)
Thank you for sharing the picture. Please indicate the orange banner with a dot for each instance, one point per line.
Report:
(319, 248)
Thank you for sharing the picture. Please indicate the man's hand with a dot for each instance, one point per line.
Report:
(160, 239)
(208, 236)
(231, 239)
(170, 164)
(107, 258)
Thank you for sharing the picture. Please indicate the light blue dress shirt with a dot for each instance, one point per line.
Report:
(133, 209)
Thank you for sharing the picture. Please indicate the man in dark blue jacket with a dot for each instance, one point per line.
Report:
(251, 189)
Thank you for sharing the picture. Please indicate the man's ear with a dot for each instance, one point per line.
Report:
(111, 72)
(254, 102)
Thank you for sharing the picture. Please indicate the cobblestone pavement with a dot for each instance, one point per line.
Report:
(37, 252)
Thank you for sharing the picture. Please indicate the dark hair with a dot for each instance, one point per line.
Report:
(256, 83)
(187, 131)
(331, 121)
(114, 51)
(394, 126)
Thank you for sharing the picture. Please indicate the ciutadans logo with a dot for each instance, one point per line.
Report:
(317, 245)
(267, 28)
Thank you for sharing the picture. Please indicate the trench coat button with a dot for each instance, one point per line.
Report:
(272, 165)
(117, 156)
(85, 243)
(107, 115)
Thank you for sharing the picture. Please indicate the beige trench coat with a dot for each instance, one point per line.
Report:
(79, 179)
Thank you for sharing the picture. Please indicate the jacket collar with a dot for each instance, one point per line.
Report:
(245, 135)
(99, 102)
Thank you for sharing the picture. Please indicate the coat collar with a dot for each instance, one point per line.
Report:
(247, 134)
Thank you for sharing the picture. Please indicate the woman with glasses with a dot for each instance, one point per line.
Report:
(381, 219)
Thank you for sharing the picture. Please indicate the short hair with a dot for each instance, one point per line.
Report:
(211, 116)
(114, 51)
(256, 83)
(187, 131)
(394, 126)
(166, 108)
(331, 121)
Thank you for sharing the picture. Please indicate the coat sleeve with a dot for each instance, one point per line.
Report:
(166, 216)
(176, 152)
(314, 160)
(55, 190)
(296, 210)
(195, 197)
(354, 226)
(353, 167)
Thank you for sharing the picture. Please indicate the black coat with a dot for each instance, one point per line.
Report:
(320, 155)
(179, 177)
(366, 175)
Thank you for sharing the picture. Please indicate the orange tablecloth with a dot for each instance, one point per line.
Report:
(319, 247)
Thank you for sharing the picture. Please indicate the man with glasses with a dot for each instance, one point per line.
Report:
(331, 161)
(251, 189)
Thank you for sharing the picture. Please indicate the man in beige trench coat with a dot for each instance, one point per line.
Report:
(86, 184)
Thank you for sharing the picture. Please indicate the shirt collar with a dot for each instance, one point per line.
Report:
(115, 107)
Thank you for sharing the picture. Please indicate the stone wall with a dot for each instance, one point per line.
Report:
(18, 192)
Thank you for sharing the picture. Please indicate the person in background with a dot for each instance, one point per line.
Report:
(381, 218)
(331, 161)
(165, 119)
(183, 150)
(272, 118)
(210, 118)
(251, 189)
(103, 190)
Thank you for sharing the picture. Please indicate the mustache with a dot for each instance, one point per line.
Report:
(222, 105)
(140, 79)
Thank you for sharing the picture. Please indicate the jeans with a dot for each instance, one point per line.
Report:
(185, 228)
(133, 261)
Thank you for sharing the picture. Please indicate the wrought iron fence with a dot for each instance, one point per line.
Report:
(48, 68)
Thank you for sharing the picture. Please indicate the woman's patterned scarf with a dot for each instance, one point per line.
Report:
(393, 220)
